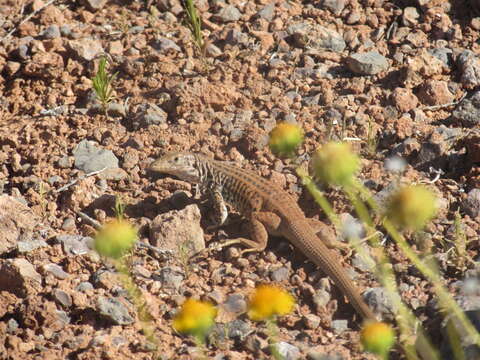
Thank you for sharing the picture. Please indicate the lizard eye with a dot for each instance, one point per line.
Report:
(176, 159)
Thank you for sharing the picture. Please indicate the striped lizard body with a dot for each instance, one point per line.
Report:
(270, 210)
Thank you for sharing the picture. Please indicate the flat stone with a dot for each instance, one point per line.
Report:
(147, 114)
(86, 49)
(228, 14)
(114, 310)
(369, 63)
(55, 270)
(468, 111)
(339, 326)
(163, 44)
(235, 303)
(316, 37)
(63, 298)
(287, 351)
(471, 204)
(89, 157)
(75, 244)
(335, 6)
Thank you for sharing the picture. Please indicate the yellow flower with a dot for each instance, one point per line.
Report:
(411, 207)
(285, 138)
(377, 337)
(268, 301)
(195, 318)
(115, 239)
(334, 164)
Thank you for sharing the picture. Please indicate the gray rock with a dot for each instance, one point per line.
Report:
(378, 300)
(178, 231)
(241, 120)
(55, 270)
(228, 14)
(311, 100)
(314, 36)
(163, 44)
(235, 330)
(65, 30)
(410, 16)
(12, 326)
(75, 244)
(94, 5)
(114, 310)
(22, 52)
(443, 54)
(339, 326)
(236, 37)
(65, 162)
(468, 64)
(335, 6)
(311, 321)
(55, 179)
(280, 274)
(30, 245)
(239, 329)
(471, 205)
(267, 12)
(146, 115)
(216, 296)
(468, 111)
(62, 297)
(287, 351)
(212, 50)
(89, 157)
(359, 263)
(84, 286)
(51, 32)
(116, 109)
(369, 63)
(63, 317)
(171, 277)
(321, 298)
(235, 303)
(352, 228)
(68, 224)
(86, 49)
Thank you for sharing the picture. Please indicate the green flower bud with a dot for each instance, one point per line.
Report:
(411, 207)
(334, 164)
(285, 138)
(377, 337)
(115, 239)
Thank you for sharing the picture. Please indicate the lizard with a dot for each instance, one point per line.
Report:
(268, 208)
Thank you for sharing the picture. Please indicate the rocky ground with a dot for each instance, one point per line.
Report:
(391, 77)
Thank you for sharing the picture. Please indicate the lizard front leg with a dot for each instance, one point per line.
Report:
(261, 224)
(220, 210)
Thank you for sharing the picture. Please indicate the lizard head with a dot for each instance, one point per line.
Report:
(181, 165)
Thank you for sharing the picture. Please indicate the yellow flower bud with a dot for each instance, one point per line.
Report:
(334, 164)
(268, 301)
(195, 318)
(115, 239)
(377, 337)
(285, 138)
(411, 207)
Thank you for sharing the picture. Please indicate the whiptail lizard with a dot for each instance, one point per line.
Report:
(269, 209)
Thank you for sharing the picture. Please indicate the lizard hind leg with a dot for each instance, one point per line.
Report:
(326, 234)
